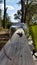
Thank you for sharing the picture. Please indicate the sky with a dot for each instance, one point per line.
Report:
(12, 8)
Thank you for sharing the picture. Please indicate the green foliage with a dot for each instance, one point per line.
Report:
(30, 9)
(1, 28)
(8, 21)
(13, 30)
(9, 24)
(33, 32)
(18, 15)
(34, 19)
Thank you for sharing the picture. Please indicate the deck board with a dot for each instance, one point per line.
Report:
(18, 50)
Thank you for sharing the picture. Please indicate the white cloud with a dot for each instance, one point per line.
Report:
(12, 17)
(9, 7)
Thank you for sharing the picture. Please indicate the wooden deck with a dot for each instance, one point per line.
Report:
(4, 37)
(16, 51)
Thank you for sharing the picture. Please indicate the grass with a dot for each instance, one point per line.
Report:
(34, 35)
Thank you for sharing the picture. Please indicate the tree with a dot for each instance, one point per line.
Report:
(34, 19)
(23, 10)
(18, 15)
(0, 17)
(8, 21)
(0, 14)
(4, 18)
(28, 9)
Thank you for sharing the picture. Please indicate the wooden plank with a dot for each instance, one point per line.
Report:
(16, 51)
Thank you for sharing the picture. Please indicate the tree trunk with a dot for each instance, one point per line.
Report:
(23, 11)
(4, 19)
(26, 10)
